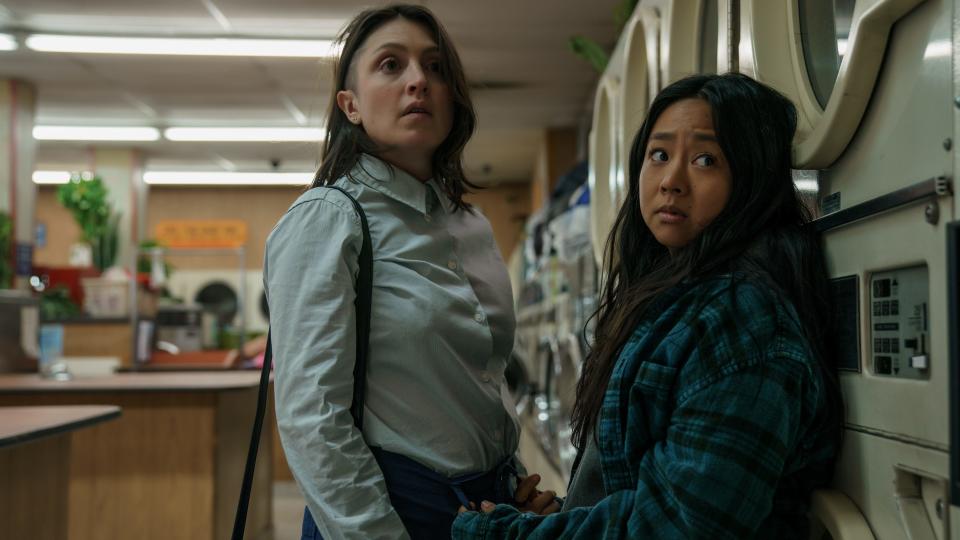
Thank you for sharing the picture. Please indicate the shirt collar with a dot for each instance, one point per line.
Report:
(396, 183)
(441, 196)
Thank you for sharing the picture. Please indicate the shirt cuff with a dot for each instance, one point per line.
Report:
(477, 525)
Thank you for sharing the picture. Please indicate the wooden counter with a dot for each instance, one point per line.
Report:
(35, 466)
(172, 465)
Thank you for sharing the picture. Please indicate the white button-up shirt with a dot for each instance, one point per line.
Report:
(442, 329)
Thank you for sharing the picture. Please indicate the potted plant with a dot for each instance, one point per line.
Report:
(87, 200)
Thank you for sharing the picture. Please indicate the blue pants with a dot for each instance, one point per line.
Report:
(426, 501)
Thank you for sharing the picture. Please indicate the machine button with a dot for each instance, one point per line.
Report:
(882, 365)
(919, 362)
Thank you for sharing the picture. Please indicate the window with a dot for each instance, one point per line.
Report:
(824, 29)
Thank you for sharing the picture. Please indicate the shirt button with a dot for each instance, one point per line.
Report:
(478, 317)
(427, 218)
(485, 376)
(498, 435)
(452, 264)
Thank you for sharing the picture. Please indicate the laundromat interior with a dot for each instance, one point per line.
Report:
(147, 150)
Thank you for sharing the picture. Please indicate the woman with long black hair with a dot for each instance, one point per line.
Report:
(709, 406)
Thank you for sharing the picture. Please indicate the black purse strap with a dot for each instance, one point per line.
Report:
(363, 308)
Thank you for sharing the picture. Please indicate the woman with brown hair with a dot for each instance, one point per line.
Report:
(438, 426)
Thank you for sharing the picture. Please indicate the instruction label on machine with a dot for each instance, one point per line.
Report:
(899, 329)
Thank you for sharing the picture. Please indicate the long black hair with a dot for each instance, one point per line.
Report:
(345, 141)
(760, 232)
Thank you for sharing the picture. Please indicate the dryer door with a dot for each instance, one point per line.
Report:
(827, 62)
(679, 36)
(639, 85)
(604, 166)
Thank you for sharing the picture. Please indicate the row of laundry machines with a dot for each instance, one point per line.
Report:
(241, 293)
(877, 88)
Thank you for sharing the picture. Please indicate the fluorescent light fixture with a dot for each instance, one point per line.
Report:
(51, 177)
(58, 177)
(95, 133)
(7, 42)
(226, 178)
(243, 134)
(181, 46)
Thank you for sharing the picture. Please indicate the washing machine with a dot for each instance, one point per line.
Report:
(636, 64)
(241, 299)
(683, 34)
(826, 56)
(604, 165)
(874, 84)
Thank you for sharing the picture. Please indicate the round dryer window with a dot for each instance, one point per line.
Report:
(825, 56)
(264, 306)
(825, 35)
(221, 299)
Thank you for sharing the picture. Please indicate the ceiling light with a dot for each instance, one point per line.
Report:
(225, 178)
(8, 42)
(244, 134)
(58, 177)
(92, 133)
(181, 46)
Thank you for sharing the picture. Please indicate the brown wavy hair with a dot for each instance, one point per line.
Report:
(345, 141)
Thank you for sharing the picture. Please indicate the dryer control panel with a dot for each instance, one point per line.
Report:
(899, 329)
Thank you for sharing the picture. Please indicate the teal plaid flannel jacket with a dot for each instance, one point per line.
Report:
(712, 426)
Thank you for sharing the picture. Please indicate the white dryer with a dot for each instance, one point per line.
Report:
(637, 63)
(825, 55)
(604, 165)
(874, 82)
(190, 284)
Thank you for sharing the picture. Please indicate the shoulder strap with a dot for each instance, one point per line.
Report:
(363, 309)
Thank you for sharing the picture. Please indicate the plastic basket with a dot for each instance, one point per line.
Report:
(105, 297)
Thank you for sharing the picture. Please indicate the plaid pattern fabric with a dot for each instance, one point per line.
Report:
(712, 427)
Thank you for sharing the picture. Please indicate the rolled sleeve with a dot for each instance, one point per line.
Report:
(309, 274)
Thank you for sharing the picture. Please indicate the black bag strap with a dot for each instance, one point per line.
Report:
(363, 308)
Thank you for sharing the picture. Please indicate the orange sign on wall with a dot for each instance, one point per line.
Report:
(201, 233)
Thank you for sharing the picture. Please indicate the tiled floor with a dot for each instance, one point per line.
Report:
(287, 511)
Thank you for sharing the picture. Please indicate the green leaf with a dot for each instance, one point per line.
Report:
(590, 51)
